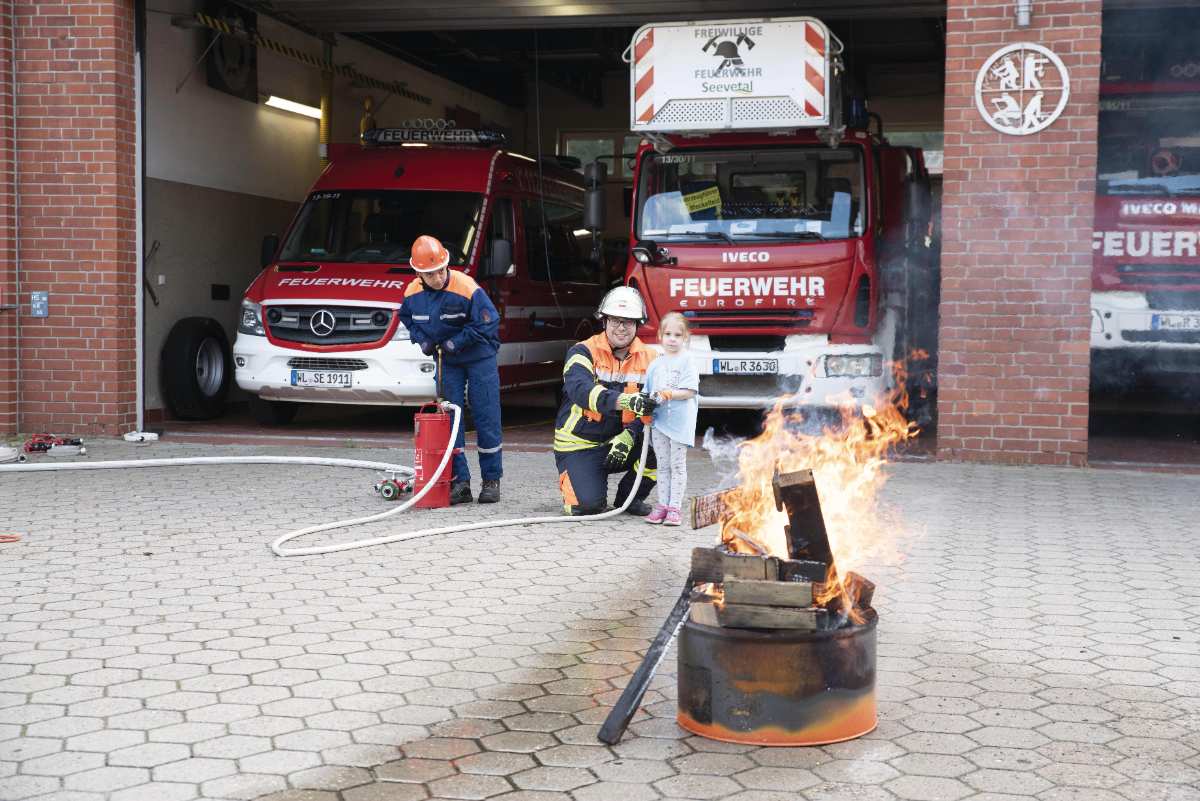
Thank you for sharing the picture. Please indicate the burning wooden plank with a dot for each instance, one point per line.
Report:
(796, 494)
(709, 509)
(713, 565)
(769, 593)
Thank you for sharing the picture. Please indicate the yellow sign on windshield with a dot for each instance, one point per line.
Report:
(704, 199)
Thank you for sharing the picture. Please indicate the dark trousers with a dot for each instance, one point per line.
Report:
(583, 478)
(479, 381)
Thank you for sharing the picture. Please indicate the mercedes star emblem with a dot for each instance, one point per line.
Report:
(322, 323)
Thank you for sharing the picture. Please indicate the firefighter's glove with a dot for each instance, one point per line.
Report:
(639, 403)
(619, 448)
(428, 348)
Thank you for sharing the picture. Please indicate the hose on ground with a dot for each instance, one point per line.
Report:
(277, 546)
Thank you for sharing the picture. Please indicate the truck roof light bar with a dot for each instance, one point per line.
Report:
(447, 136)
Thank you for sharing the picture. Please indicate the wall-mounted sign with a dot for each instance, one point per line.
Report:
(1022, 88)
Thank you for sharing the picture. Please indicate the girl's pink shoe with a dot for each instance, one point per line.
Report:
(657, 515)
(673, 518)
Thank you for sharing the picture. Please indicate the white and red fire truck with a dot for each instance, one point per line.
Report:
(320, 323)
(1146, 240)
(789, 238)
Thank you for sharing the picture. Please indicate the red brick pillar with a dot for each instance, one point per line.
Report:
(1016, 250)
(74, 229)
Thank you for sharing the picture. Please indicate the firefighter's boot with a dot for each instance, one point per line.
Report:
(460, 492)
(637, 508)
(490, 492)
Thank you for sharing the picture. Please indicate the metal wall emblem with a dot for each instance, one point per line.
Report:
(1022, 88)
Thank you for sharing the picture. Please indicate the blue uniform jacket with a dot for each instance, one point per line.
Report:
(459, 317)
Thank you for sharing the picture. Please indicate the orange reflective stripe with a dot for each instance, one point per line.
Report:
(568, 492)
(461, 284)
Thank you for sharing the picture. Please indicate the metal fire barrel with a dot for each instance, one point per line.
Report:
(779, 686)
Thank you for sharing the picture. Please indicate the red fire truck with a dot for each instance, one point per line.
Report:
(320, 323)
(790, 240)
(1146, 242)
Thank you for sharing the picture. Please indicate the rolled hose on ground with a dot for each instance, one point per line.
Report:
(278, 545)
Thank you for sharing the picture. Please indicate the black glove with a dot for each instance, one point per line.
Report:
(428, 348)
(619, 448)
(639, 403)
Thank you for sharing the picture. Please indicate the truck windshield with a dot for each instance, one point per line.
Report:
(774, 193)
(380, 226)
(1149, 144)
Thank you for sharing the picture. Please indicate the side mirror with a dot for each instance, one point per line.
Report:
(593, 199)
(270, 245)
(499, 262)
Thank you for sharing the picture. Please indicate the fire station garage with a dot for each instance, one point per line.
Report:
(1000, 198)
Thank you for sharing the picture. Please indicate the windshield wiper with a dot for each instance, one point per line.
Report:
(706, 235)
(786, 235)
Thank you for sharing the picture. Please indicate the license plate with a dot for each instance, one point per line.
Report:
(745, 366)
(1175, 322)
(312, 378)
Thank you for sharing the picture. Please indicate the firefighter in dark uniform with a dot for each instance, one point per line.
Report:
(445, 311)
(604, 412)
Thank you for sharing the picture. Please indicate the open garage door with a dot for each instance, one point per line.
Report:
(553, 82)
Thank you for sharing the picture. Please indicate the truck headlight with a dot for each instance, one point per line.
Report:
(401, 334)
(251, 322)
(862, 365)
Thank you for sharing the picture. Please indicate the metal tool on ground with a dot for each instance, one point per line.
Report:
(631, 698)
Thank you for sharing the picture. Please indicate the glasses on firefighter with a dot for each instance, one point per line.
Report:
(620, 322)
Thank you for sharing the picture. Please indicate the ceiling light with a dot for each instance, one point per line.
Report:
(294, 107)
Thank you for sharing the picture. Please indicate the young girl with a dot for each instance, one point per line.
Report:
(673, 380)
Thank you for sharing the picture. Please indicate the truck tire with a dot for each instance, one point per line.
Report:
(272, 413)
(196, 368)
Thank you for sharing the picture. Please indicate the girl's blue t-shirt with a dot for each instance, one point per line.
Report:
(675, 418)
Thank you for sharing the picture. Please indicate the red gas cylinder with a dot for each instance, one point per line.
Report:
(431, 437)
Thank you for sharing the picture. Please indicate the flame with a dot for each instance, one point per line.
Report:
(848, 466)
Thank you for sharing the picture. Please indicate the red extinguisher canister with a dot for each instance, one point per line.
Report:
(430, 438)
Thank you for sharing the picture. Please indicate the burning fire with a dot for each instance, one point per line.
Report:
(847, 464)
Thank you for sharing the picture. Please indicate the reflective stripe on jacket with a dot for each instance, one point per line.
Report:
(593, 378)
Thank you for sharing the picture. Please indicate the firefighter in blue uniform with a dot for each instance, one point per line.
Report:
(604, 412)
(446, 310)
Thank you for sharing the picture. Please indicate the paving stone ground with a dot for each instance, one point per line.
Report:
(1037, 641)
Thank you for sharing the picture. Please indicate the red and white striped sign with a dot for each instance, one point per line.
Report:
(730, 75)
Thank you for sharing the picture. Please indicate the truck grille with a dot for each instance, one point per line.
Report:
(1175, 337)
(764, 386)
(1159, 274)
(1173, 300)
(327, 364)
(750, 343)
(708, 320)
(352, 325)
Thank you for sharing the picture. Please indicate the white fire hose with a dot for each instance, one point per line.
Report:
(278, 545)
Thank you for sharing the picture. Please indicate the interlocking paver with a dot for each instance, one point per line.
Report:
(1007, 665)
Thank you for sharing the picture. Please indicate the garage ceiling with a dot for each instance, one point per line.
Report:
(361, 16)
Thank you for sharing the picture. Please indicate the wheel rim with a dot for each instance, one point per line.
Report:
(210, 367)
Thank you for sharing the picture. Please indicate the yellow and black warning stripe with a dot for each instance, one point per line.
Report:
(344, 70)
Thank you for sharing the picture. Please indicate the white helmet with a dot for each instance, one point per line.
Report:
(623, 301)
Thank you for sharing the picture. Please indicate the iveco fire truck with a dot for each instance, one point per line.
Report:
(1146, 242)
(786, 236)
(321, 324)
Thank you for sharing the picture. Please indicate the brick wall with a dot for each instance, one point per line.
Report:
(1016, 251)
(75, 142)
(8, 288)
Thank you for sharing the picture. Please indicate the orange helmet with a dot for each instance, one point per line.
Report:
(428, 255)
